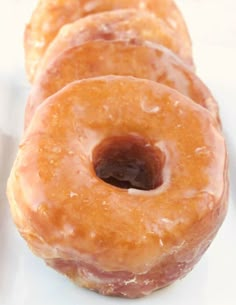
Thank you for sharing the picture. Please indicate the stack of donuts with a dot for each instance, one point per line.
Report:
(120, 182)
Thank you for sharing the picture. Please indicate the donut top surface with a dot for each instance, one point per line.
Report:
(72, 211)
(134, 26)
(101, 57)
(49, 16)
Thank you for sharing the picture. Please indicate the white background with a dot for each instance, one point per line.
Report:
(24, 279)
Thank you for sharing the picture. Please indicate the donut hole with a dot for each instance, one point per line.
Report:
(129, 162)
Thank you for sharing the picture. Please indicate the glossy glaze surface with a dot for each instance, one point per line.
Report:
(134, 26)
(54, 14)
(24, 277)
(65, 211)
(98, 58)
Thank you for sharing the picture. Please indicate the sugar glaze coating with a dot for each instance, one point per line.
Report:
(116, 241)
(102, 57)
(132, 25)
(51, 15)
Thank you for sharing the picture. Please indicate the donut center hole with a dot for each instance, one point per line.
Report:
(129, 162)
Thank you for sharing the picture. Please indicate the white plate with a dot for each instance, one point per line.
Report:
(24, 278)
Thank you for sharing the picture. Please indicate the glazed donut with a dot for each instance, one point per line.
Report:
(131, 25)
(150, 62)
(120, 183)
(51, 15)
